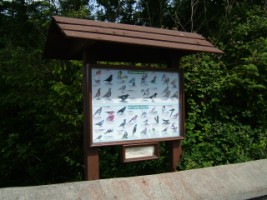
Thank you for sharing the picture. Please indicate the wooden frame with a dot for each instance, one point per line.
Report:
(122, 98)
(140, 152)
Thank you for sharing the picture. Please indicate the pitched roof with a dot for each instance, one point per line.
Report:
(69, 38)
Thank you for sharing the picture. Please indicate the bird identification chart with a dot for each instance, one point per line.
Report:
(134, 104)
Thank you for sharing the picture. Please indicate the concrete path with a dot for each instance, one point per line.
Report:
(236, 181)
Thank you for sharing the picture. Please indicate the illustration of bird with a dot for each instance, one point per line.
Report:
(171, 110)
(134, 129)
(144, 132)
(167, 94)
(133, 119)
(100, 123)
(145, 122)
(121, 111)
(174, 83)
(166, 121)
(108, 94)
(163, 109)
(156, 119)
(122, 89)
(153, 96)
(154, 111)
(110, 112)
(154, 80)
(119, 74)
(110, 118)
(124, 78)
(132, 81)
(123, 97)
(166, 81)
(165, 90)
(164, 130)
(123, 123)
(125, 135)
(109, 79)
(97, 82)
(175, 95)
(143, 79)
(97, 95)
(144, 114)
(163, 77)
(175, 116)
(174, 128)
(98, 138)
(98, 111)
(146, 92)
(109, 131)
(98, 72)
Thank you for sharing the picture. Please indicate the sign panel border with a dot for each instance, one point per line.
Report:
(134, 105)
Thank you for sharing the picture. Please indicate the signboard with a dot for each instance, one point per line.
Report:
(138, 152)
(130, 104)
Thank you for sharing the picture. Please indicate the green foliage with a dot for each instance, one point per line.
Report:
(226, 98)
(41, 106)
(220, 143)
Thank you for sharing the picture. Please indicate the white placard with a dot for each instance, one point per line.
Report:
(139, 152)
(134, 104)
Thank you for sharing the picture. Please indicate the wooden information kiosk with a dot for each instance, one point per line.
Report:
(133, 107)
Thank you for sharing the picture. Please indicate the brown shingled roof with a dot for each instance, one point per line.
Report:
(69, 38)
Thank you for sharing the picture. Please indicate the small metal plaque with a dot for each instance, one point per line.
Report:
(140, 152)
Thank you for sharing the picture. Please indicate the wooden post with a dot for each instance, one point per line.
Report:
(175, 147)
(91, 155)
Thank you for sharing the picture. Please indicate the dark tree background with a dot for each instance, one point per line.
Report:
(41, 100)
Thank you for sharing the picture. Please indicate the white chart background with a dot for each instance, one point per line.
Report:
(150, 111)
